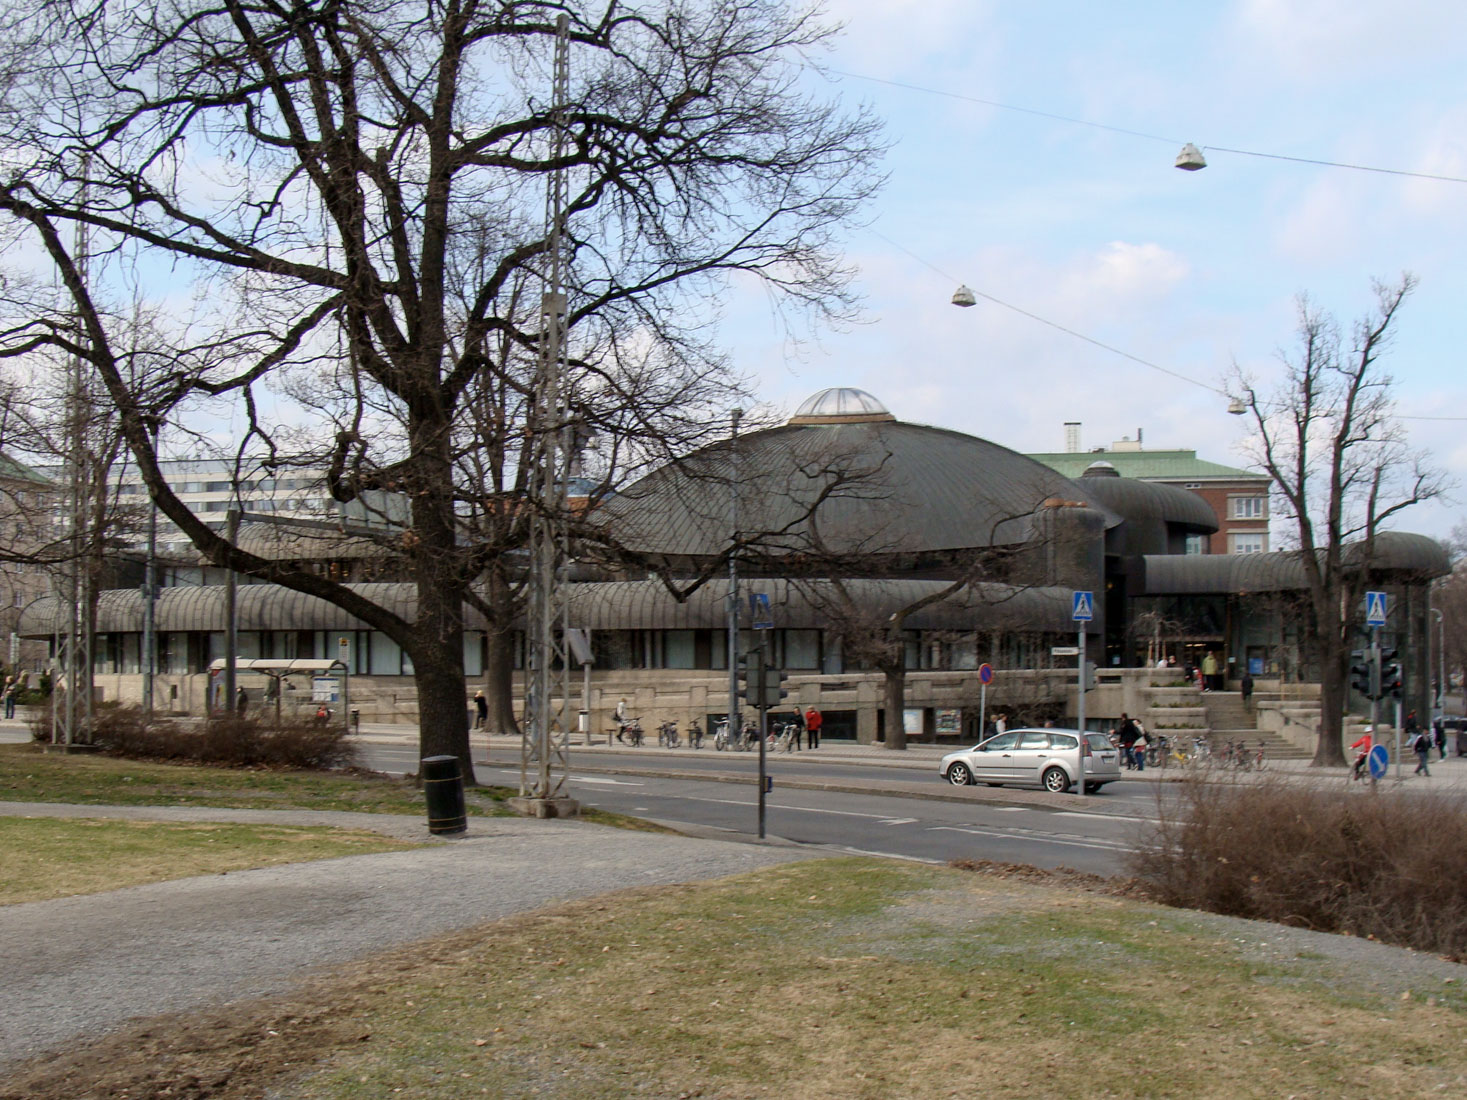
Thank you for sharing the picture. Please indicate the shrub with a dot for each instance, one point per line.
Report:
(1392, 865)
(225, 740)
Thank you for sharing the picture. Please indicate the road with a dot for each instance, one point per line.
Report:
(881, 810)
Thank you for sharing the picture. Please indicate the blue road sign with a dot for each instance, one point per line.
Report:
(1375, 608)
(1378, 762)
(760, 611)
(985, 674)
(1084, 607)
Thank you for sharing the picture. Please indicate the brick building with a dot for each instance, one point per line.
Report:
(1238, 498)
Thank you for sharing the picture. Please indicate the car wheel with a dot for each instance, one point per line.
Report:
(959, 776)
(1056, 780)
(1093, 787)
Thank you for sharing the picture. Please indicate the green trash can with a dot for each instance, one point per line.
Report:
(443, 786)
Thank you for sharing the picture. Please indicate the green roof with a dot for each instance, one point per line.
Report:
(10, 468)
(1151, 465)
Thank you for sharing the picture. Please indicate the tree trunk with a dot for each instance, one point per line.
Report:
(499, 680)
(1329, 748)
(895, 704)
(443, 703)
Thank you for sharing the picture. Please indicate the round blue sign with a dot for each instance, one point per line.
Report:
(1378, 762)
(985, 674)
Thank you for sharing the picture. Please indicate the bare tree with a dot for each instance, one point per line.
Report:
(1342, 468)
(344, 201)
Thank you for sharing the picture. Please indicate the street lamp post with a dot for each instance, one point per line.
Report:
(733, 578)
(1440, 695)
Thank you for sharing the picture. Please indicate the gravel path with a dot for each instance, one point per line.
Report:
(84, 965)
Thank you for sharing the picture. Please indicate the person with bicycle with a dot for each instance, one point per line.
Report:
(1362, 745)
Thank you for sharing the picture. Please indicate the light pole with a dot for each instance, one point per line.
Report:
(733, 578)
(1440, 695)
(150, 589)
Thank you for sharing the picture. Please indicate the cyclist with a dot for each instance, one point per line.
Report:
(1362, 745)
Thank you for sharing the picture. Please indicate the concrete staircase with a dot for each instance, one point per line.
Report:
(1230, 719)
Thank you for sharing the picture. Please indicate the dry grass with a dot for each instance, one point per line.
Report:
(1388, 865)
(54, 858)
(844, 979)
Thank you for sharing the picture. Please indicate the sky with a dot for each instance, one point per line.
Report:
(1096, 231)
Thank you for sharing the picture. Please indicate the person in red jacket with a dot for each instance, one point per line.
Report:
(1362, 746)
(812, 727)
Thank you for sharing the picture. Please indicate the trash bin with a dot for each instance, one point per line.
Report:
(443, 787)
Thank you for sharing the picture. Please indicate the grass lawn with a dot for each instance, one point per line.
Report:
(850, 978)
(59, 857)
(27, 774)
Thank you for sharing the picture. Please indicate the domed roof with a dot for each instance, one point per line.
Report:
(841, 405)
(867, 486)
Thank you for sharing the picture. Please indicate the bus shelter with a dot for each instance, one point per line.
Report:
(278, 672)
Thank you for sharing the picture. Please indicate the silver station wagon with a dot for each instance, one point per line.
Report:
(1048, 758)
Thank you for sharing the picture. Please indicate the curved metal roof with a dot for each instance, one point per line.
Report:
(1152, 511)
(610, 605)
(875, 488)
(1408, 556)
(257, 607)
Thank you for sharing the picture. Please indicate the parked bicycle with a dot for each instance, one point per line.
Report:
(629, 732)
(667, 735)
(695, 734)
(789, 737)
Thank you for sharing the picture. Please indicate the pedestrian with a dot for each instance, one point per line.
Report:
(11, 687)
(1125, 734)
(1209, 671)
(1138, 748)
(481, 710)
(798, 724)
(241, 701)
(1439, 735)
(1247, 686)
(621, 719)
(1001, 725)
(1421, 742)
(813, 721)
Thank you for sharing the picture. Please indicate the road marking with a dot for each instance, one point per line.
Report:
(1092, 817)
(1047, 838)
(899, 821)
(602, 779)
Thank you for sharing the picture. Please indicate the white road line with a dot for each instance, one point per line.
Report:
(1092, 817)
(1046, 838)
(899, 821)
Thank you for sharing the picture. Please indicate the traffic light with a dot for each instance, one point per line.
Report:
(1087, 675)
(751, 678)
(774, 690)
(1390, 675)
(1362, 674)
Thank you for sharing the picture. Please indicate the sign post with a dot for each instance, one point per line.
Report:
(1375, 618)
(1083, 611)
(985, 677)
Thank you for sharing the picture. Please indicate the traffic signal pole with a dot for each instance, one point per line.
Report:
(1080, 708)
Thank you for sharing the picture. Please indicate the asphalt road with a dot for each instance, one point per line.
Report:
(893, 811)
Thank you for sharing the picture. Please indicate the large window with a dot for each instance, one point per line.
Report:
(1197, 544)
(1247, 542)
(1248, 507)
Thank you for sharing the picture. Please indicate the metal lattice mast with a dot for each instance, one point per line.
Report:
(544, 754)
(72, 711)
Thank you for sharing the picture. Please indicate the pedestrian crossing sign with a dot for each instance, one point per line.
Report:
(1375, 608)
(1084, 607)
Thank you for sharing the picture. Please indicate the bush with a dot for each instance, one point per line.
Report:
(1390, 865)
(225, 740)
